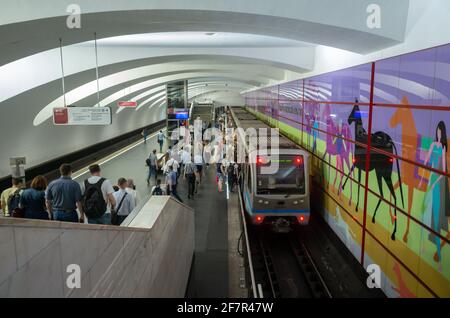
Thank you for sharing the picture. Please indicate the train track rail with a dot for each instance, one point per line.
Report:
(289, 271)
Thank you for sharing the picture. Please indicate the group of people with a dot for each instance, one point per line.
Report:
(64, 199)
(178, 164)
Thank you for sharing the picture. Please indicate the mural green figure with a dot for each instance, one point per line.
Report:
(436, 199)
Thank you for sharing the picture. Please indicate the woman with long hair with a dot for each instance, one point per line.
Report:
(437, 191)
(33, 200)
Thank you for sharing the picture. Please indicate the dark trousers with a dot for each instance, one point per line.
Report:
(191, 184)
(152, 170)
(175, 193)
(121, 218)
(231, 181)
(160, 145)
(65, 216)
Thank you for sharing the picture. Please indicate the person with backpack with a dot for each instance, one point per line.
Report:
(98, 198)
(220, 174)
(189, 173)
(32, 200)
(157, 190)
(11, 196)
(63, 197)
(160, 140)
(151, 162)
(125, 202)
(231, 176)
(171, 181)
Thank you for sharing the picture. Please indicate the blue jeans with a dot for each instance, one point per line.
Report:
(161, 142)
(65, 216)
(152, 171)
(104, 219)
(36, 215)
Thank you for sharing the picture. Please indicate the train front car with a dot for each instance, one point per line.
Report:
(278, 196)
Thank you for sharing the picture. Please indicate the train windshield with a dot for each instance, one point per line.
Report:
(288, 179)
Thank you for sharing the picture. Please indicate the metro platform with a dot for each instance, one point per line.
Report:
(216, 269)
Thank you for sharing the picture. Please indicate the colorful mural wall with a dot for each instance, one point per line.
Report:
(378, 134)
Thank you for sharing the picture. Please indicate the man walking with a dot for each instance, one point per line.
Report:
(125, 201)
(171, 181)
(152, 168)
(98, 199)
(189, 174)
(63, 197)
(160, 140)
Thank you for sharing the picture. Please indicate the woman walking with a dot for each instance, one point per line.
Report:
(32, 200)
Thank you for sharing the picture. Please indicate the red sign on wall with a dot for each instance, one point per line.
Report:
(127, 104)
(60, 116)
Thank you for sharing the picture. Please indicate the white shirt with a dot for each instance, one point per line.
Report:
(127, 204)
(172, 162)
(134, 194)
(185, 157)
(198, 159)
(106, 188)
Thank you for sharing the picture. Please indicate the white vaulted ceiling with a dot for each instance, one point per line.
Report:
(221, 47)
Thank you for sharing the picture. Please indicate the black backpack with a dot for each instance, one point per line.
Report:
(157, 191)
(13, 202)
(94, 204)
(148, 162)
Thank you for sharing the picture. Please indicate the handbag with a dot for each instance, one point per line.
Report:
(18, 213)
(115, 214)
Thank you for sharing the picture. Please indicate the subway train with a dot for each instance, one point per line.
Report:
(280, 199)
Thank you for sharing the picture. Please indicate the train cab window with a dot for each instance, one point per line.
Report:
(288, 179)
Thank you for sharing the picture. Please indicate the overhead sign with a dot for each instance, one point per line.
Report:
(182, 115)
(82, 116)
(127, 104)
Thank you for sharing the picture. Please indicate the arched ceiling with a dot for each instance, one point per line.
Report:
(219, 46)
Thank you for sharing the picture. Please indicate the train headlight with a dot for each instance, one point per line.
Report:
(295, 202)
(260, 201)
(266, 202)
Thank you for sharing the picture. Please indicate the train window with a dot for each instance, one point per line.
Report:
(288, 179)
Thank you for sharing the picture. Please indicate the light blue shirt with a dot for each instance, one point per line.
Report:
(127, 204)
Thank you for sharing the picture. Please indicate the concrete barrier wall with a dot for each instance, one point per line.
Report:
(151, 257)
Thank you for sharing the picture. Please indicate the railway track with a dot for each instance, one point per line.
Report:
(286, 268)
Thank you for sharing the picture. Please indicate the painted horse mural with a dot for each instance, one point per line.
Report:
(332, 147)
(411, 142)
(381, 163)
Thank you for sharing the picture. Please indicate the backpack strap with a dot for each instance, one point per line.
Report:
(97, 185)
(120, 203)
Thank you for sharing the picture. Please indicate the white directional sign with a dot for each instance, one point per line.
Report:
(82, 116)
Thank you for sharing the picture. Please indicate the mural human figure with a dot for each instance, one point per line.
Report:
(436, 198)
(381, 163)
(332, 146)
(410, 140)
(338, 141)
(315, 131)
